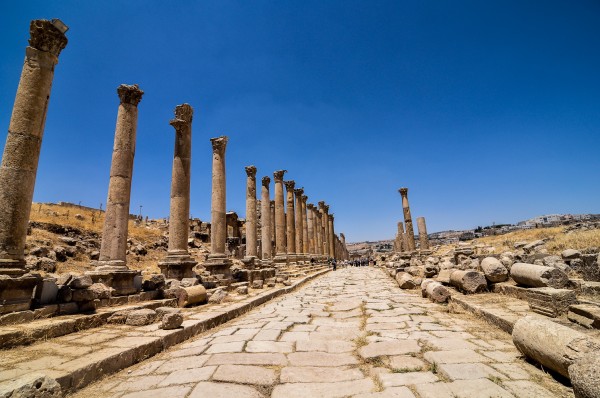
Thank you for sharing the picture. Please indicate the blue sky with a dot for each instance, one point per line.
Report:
(488, 111)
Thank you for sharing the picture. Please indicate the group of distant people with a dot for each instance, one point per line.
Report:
(360, 262)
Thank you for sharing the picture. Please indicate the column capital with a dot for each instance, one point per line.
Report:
(321, 205)
(310, 206)
(48, 36)
(219, 144)
(289, 185)
(304, 198)
(130, 94)
(326, 208)
(183, 116)
(278, 175)
(403, 191)
(330, 217)
(299, 192)
(266, 181)
(251, 171)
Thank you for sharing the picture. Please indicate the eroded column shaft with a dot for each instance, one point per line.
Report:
(265, 226)
(218, 231)
(407, 219)
(280, 227)
(251, 241)
(299, 225)
(290, 218)
(423, 238)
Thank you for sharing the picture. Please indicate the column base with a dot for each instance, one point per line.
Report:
(177, 266)
(292, 258)
(267, 263)
(16, 293)
(12, 267)
(218, 265)
(120, 278)
(280, 259)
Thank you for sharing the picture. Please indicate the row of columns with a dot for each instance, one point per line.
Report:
(405, 238)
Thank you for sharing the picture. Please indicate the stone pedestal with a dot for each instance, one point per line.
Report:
(179, 264)
(280, 220)
(122, 279)
(16, 292)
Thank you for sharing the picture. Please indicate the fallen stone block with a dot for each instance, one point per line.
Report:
(570, 254)
(84, 295)
(585, 377)
(437, 292)
(192, 295)
(153, 282)
(407, 281)
(538, 275)
(469, 281)
(101, 290)
(171, 321)
(424, 286)
(141, 317)
(80, 282)
(161, 311)
(549, 301)
(41, 387)
(217, 296)
(444, 276)
(494, 270)
(552, 345)
(585, 315)
(242, 290)
(257, 284)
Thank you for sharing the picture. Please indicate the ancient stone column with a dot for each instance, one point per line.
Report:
(327, 236)
(407, 219)
(273, 240)
(178, 264)
(299, 225)
(331, 236)
(423, 238)
(217, 262)
(400, 237)
(265, 226)
(20, 159)
(111, 268)
(318, 233)
(251, 212)
(280, 219)
(304, 227)
(290, 221)
(343, 244)
(324, 234)
(311, 229)
(23, 142)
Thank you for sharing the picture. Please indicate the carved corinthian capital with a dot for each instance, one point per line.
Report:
(46, 36)
(278, 175)
(183, 116)
(289, 185)
(219, 144)
(251, 171)
(266, 181)
(130, 94)
(403, 191)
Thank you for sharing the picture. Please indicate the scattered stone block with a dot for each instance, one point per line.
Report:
(64, 294)
(494, 270)
(83, 295)
(171, 321)
(242, 290)
(549, 301)
(80, 282)
(46, 292)
(153, 282)
(550, 344)
(570, 254)
(469, 281)
(437, 292)
(538, 275)
(585, 376)
(141, 317)
(41, 387)
(192, 295)
(585, 315)
(101, 290)
(217, 296)
(407, 281)
(161, 311)
(257, 284)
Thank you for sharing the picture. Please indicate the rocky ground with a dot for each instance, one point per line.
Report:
(352, 332)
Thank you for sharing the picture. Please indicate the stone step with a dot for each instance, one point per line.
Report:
(83, 357)
(27, 333)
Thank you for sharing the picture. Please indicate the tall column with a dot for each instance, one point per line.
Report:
(280, 227)
(178, 264)
(331, 236)
(299, 226)
(327, 239)
(251, 229)
(310, 229)
(272, 207)
(217, 262)
(423, 238)
(111, 268)
(343, 243)
(304, 228)
(318, 233)
(265, 226)
(407, 219)
(324, 235)
(20, 159)
(290, 221)
(400, 237)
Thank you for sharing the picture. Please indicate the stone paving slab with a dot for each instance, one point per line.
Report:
(79, 358)
(430, 353)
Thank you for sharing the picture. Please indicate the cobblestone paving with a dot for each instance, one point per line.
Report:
(350, 333)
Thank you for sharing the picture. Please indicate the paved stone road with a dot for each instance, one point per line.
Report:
(352, 332)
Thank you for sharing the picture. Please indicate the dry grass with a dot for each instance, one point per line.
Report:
(556, 240)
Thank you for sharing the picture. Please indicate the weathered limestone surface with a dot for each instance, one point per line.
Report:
(265, 227)
(251, 241)
(311, 229)
(585, 376)
(538, 275)
(339, 337)
(290, 221)
(494, 270)
(305, 240)
(178, 264)
(23, 143)
(468, 281)
(280, 227)
(331, 235)
(410, 233)
(423, 238)
(299, 225)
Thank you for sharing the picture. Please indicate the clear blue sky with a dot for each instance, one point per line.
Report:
(489, 111)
